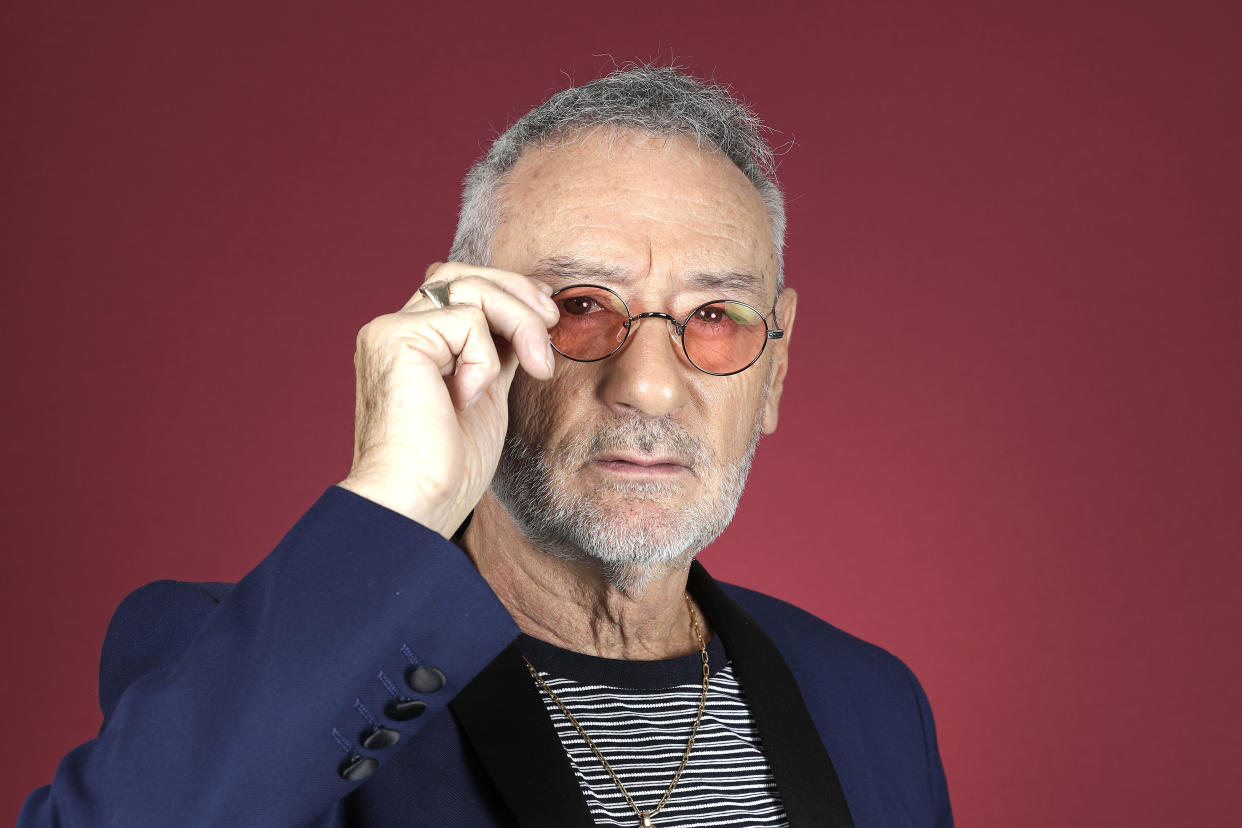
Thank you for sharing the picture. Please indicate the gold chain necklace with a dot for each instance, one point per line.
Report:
(644, 817)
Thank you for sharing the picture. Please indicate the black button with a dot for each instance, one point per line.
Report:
(380, 737)
(357, 768)
(402, 710)
(424, 679)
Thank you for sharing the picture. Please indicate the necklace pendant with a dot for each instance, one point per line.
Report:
(646, 820)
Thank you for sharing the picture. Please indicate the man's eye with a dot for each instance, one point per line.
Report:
(579, 305)
(712, 316)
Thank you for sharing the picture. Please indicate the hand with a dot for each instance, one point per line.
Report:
(432, 391)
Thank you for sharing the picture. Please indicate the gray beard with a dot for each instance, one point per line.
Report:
(629, 549)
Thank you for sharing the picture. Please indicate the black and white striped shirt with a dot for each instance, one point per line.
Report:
(639, 714)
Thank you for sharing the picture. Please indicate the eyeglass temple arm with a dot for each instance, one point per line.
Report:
(776, 333)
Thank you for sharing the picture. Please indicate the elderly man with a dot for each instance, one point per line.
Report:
(574, 401)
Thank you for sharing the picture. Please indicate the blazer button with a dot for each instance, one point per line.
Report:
(380, 737)
(357, 768)
(402, 710)
(424, 679)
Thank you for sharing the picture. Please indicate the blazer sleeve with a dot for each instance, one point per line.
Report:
(244, 705)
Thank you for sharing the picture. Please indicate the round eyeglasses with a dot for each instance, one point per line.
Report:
(720, 337)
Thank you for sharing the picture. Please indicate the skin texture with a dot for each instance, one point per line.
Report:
(651, 211)
(666, 225)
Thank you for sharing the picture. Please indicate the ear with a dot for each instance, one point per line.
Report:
(786, 308)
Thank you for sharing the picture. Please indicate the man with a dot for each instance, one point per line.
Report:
(575, 400)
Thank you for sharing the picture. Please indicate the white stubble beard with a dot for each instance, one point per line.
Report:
(631, 547)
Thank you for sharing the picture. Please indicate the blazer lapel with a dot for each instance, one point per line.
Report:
(805, 777)
(504, 718)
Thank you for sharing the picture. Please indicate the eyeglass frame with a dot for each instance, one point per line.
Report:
(680, 327)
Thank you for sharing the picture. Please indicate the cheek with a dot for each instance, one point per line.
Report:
(537, 408)
(528, 409)
(736, 411)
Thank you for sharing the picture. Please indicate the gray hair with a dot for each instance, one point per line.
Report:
(660, 101)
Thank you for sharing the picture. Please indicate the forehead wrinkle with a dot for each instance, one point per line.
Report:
(725, 228)
(572, 268)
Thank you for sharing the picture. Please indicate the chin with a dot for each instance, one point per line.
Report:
(632, 529)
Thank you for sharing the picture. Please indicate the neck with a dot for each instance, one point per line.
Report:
(572, 604)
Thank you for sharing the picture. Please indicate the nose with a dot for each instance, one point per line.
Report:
(649, 374)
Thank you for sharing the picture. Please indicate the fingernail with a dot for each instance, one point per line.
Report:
(545, 289)
(551, 360)
(550, 305)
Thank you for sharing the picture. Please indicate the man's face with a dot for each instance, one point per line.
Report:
(639, 458)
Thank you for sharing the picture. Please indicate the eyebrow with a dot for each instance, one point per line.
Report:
(575, 268)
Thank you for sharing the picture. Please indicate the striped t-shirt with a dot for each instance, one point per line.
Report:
(639, 714)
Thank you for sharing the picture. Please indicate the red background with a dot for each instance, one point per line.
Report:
(1009, 450)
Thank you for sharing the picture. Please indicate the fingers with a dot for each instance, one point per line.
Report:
(496, 321)
(464, 351)
(513, 308)
(462, 276)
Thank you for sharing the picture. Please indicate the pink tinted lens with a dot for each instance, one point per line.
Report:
(592, 323)
(725, 337)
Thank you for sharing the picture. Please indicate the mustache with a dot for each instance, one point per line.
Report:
(636, 434)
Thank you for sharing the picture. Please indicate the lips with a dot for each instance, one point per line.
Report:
(643, 460)
(641, 465)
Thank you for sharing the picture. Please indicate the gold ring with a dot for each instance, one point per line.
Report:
(437, 292)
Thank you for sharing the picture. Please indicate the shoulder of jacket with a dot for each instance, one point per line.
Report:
(149, 628)
(812, 645)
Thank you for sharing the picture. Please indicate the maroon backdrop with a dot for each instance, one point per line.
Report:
(1009, 450)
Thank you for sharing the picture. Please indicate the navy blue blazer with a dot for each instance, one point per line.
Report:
(365, 674)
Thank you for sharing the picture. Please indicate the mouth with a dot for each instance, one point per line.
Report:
(638, 465)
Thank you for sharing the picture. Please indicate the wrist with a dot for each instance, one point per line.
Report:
(404, 501)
